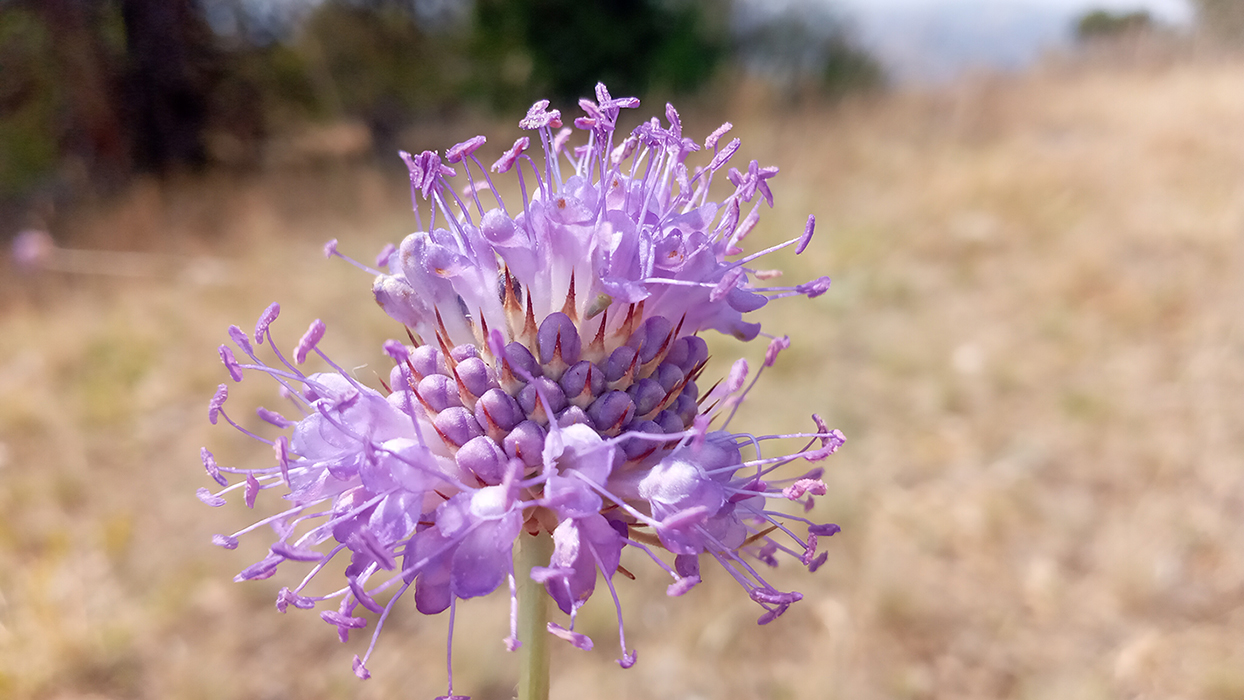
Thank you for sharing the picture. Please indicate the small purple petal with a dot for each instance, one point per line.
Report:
(309, 341)
(218, 400)
(829, 445)
(815, 288)
(382, 258)
(687, 565)
(285, 597)
(360, 670)
(807, 235)
(821, 427)
(239, 337)
(728, 282)
(559, 141)
(333, 617)
(252, 490)
(809, 552)
(281, 447)
(265, 319)
(464, 149)
(497, 411)
(273, 417)
(738, 374)
(647, 394)
(771, 615)
(796, 490)
(724, 154)
(209, 464)
(681, 586)
(581, 641)
(209, 498)
(619, 362)
(713, 138)
(539, 116)
(474, 376)
(396, 350)
(288, 551)
(438, 392)
(230, 362)
(482, 457)
(699, 428)
(624, 150)
(225, 541)
(816, 563)
(530, 395)
(457, 425)
(544, 574)
(824, 530)
(612, 411)
(558, 336)
(426, 361)
(772, 597)
(525, 442)
(672, 115)
(507, 160)
(330, 248)
(776, 346)
(574, 416)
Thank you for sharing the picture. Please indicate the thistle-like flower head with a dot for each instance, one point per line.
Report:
(548, 383)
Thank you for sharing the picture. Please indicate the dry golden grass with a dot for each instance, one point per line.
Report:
(1032, 344)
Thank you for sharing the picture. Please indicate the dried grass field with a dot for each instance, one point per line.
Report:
(1033, 344)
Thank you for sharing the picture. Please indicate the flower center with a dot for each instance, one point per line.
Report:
(489, 410)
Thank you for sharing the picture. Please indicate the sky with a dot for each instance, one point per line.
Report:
(1176, 11)
(930, 41)
(918, 41)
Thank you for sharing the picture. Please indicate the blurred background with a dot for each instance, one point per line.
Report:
(1033, 213)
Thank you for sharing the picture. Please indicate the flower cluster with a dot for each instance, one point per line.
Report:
(549, 384)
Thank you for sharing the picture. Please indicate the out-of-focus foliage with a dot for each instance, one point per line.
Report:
(61, 87)
(848, 68)
(92, 90)
(170, 66)
(29, 100)
(1222, 18)
(563, 47)
(379, 65)
(804, 51)
(1103, 24)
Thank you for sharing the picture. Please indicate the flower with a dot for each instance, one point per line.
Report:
(31, 249)
(549, 385)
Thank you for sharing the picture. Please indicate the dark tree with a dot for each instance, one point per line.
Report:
(1223, 19)
(1103, 24)
(563, 47)
(168, 78)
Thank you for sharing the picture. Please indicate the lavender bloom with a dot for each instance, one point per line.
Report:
(31, 249)
(550, 385)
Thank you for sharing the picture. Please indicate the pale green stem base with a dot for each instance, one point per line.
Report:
(533, 615)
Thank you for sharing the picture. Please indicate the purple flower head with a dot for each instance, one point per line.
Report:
(549, 388)
(31, 249)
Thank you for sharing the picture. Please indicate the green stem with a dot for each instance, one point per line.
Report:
(533, 615)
